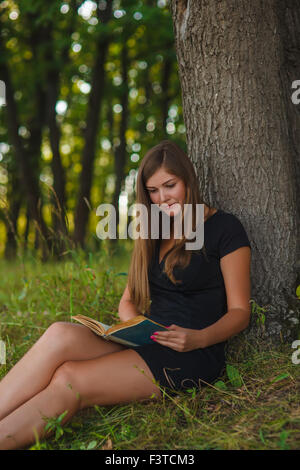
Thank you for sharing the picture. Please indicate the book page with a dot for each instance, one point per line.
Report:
(104, 326)
(91, 323)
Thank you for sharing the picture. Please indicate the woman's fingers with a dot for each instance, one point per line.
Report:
(165, 334)
(173, 340)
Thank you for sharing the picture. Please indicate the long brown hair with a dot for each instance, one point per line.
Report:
(171, 158)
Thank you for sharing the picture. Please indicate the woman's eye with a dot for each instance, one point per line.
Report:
(167, 186)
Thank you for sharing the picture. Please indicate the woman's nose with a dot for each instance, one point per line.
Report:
(163, 195)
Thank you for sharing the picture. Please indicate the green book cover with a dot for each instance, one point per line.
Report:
(134, 332)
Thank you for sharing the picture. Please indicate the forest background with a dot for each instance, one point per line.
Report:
(89, 89)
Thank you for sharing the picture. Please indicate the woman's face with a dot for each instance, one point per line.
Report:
(167, 191)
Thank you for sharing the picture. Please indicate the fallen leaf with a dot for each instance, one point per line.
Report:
(107, 445)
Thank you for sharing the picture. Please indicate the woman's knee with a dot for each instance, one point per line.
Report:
(64, 380)
(76, 342)
(59, 334)
(60, 331)
(64, 374)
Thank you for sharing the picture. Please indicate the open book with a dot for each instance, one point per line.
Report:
(133, 332)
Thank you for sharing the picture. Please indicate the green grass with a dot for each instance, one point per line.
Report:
(254, 405)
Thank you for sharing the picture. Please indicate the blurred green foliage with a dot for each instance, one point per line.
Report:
(43, 38)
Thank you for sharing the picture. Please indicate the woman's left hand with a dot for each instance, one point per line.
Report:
(180, 339)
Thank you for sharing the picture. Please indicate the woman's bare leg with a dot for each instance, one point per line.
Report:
(61, 342)
(120, 377)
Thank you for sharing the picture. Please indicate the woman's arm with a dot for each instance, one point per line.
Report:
(235, 268)
(127, 309)
(232, 323)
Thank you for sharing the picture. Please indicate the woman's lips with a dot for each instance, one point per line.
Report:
(170, 207)
(166, 205)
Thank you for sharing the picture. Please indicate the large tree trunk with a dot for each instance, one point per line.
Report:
(230, 55)
(289, 20)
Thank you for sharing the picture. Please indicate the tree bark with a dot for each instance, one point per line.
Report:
(230, 55)
(165, 84)
(289, 21)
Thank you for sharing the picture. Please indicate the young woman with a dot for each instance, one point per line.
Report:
(202, 296)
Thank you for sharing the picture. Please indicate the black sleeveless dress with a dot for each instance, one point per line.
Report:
(196, 303)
